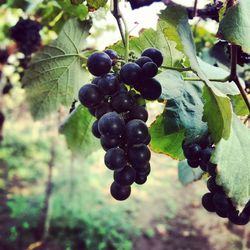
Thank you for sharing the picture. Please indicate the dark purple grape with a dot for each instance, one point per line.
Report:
(96, 80)
(108, 142)
(115, 159)
(150, 89)
(89, 95)
(155, 55)
(136, 132)
(125, 176)
(221, 202)
(4, 55)
(140, 178)
(112, 54)
(207, 202)
(206, 154)
(92, 111)
(149, 69)
(192, 151)
(108, 84)
(95, 130)
(138, 112)
(139, 155)
(147, 141)
(212, 185)
(144, 169)
(211, 169)
(122, 102)
(99, 64)
(193, 163)
(111, 124)
(142, 60)
(102, 110)
(119, 192)
(236, 218)
(130, 73)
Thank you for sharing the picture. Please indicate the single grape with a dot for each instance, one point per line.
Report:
(130, 73)
(192, 151)
(247, 208)
(108, 84)
(144, 169)
(122, 102)
(211, 169)
(115, 159)
(149, 69)
(221, 213)
(207, 202)
(206, 154)
(236, 218)
(108, 142)
(155, 55)
(89, 95)
(212, 185)
(111, 124)
(203, 166)
(119, 192)
(142, 60)
(138, 112)
(136, 132)
(193, 163)
(102, 110)
(150, 89)
(99, 64)
(147, 141)
(220, 202)
(112, 54)
(125, 176)
(139, 155)
(206, 141)
(140, 178)
(95, 130)
(4, 55)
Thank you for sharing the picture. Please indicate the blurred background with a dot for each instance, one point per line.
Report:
(52, 200)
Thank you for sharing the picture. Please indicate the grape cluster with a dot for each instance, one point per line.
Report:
(26, 34)
(242, 57)
(118, 103)
(216, 200)
(210, 11)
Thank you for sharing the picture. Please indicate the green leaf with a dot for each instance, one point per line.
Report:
(97, 3)
(187, 174)
(233, 159)
(169, 144)
(235, 26)
(77, 131)
(184, 106)
(56, 74)
(239, 105)
(80, 10)
(157, 39)
(217, 105)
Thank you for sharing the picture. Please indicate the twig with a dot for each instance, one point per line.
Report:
(233, 75)
(117, 16)
(195, 8)
(177, 69)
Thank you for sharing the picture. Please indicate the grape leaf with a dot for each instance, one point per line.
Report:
(77, 131)
(233, 159)
(80, 10)
(184, 106)
(235, 25)
(157, 39)
(217, 110)
(188, 175)
(169, 144)
(239, 105)
(55, 73)
(97, 3)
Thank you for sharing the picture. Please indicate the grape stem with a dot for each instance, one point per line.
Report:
(177, 69)
(233, 75)
(200, 80)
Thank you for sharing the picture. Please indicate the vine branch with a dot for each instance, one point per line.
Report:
(233, 75)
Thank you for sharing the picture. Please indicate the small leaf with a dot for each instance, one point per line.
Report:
(77, 131)
(169, 144)
(235, 25)
(56, 73)
(239, 105)
(233, 159)
(187, 174)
